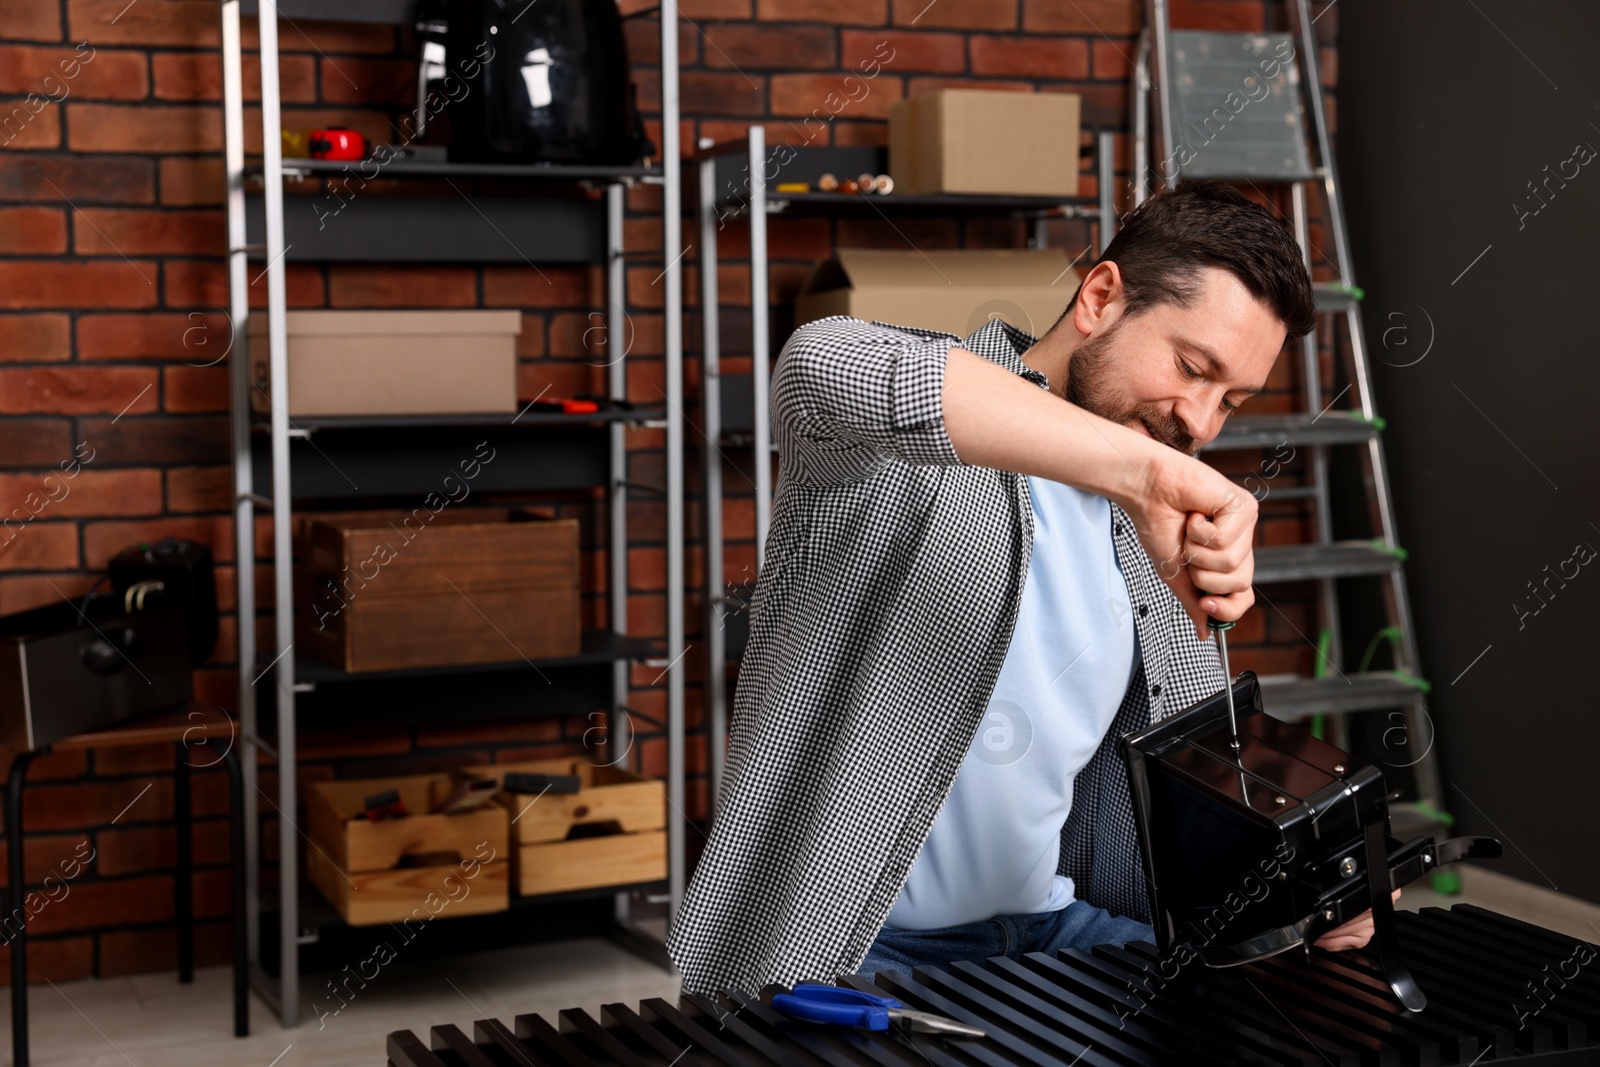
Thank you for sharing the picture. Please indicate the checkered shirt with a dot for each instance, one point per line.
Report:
(880, 619)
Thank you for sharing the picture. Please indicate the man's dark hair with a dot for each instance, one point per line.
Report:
(1164, 242)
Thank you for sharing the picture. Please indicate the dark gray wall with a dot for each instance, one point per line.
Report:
(1446, 112)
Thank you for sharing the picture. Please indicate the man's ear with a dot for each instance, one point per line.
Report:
(1099, 295)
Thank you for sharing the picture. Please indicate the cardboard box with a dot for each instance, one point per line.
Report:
(985, 142)
(954, 291)
(355, 363)
(388, 590)
(357, 864)
(611, 832)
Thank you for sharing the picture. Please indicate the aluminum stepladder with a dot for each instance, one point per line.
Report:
(1258, 136)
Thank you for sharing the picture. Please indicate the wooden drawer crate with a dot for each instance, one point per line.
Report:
(390, 590)
(356, 863)
(611, 832)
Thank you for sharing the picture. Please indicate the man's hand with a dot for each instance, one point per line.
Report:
(1353, 934)
(1199, 529)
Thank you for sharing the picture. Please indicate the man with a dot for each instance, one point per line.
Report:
(989, 558)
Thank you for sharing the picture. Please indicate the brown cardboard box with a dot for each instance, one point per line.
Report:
(390, 590)
(985, 142)
(393, 362)
(953, 291)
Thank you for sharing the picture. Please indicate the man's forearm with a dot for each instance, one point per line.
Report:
(997, 419)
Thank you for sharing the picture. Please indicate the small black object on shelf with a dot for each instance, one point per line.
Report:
(181, 572)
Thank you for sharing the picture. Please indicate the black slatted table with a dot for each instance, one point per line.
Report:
(1500, 992)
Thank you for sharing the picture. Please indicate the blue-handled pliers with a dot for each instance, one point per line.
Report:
(838, 1006)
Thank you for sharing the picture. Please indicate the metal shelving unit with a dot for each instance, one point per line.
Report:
(278, 461)
(730, 420)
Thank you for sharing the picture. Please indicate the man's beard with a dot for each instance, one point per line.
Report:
(1089, 386)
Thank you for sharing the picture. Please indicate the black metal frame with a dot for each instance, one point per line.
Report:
(184, 905)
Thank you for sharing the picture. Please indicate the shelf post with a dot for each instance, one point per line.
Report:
(715, 617)
(282, 549)
(672, 240)
(243, 474)
(760, 329)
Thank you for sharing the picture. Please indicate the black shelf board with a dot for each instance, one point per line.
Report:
(908, 204)
(599, 646)
(260, 420)
(427, 168)
(382, 12)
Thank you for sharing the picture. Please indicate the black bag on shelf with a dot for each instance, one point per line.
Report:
(539, 81)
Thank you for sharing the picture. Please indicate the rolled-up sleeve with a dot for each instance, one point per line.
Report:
(849, 395)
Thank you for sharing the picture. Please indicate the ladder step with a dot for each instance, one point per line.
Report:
(1342, 559)
(1331, 296)
(1269, 431)
(1293, 699)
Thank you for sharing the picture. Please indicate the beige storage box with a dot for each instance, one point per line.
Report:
(985, 142)
(355, 363)
(361, 866)
(953, 291)
(611, 832)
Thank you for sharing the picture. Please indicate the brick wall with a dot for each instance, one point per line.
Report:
(112, 284)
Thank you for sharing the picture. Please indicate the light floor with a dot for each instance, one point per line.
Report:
(152, 1021)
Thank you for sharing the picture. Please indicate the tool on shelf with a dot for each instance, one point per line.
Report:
(838, 1006)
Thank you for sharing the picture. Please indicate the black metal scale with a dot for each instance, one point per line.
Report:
(1257, 838)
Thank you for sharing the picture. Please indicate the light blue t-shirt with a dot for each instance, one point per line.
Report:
(994, 847)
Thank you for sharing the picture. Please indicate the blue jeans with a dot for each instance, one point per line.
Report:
(1078, 925)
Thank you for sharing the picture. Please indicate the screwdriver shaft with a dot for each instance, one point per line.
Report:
(1220, 629)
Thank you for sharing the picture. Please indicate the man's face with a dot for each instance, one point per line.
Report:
(1176, 373)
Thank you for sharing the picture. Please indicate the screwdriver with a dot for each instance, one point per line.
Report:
(1220, 629)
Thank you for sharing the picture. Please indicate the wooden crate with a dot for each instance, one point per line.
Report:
(546, 858)
(356, 863)
(389, 590)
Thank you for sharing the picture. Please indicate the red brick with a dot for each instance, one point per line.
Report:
(89, 493)
(78, 390)
(557, 378)
(81, 180)
(531, 341)
(195, 389)
(839, 95)
(33, 20)
(403, 287)
(152, 129)
(102, 540)
(121, 902)
(366, 741)
(79, 804)
(198, 76)
(55, 959)
(204, 284)
(196, 337)
(922, 85)
(956, 14)
(643, 41)
(38, 546)
(158, 440)
(200, 489)
(713, 93)
(135, 849)
(550, 286)
(1245, 16)
(48, 854)
(116, 231)
(1060, 58)
(1109, 18)
(757, 47)
(828, 12)
(147, 949)
(461, 735)
(899, 50)
(192, 181)
(20, 592)
(865, 134)
(84, 72)
(32, 231)
(91, 284)
(1113, 60)
(30, 122)
(185, 23)
(34, 338)
(369, 81)
(35, 442)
